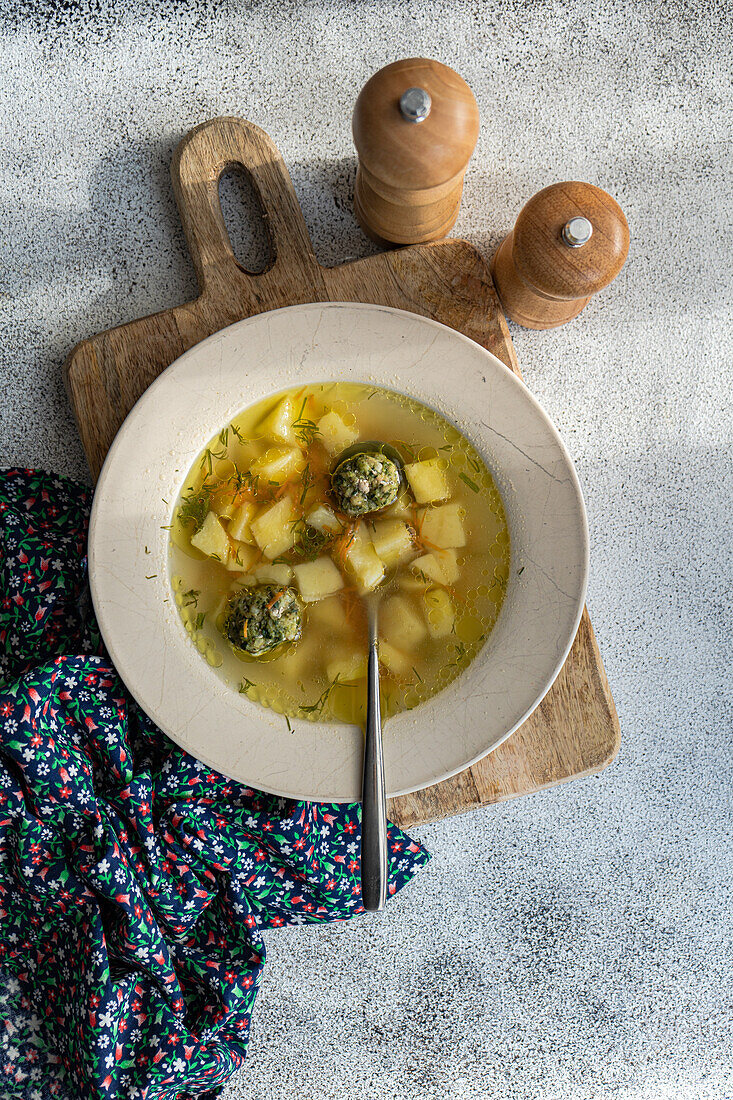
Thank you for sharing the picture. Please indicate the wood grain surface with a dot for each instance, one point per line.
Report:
(410, 177)
(575, 730)
(541, 281)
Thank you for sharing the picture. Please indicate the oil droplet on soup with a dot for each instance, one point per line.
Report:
(258, 510)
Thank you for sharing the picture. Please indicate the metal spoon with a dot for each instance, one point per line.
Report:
(373, 798)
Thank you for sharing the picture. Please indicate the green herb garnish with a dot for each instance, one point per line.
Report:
(209, 457)
(194, 507)
(305, 429)
(317, 707)
(198, 622)
(471, 484)
(460, 651)
(191, 598)
(245, 686)
(309, 543)
(307, 480)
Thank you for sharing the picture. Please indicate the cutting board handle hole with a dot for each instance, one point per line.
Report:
(245, 221)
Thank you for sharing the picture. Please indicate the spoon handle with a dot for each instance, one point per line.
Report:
(374, 805)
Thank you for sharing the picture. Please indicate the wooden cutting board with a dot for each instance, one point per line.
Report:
(574, 731)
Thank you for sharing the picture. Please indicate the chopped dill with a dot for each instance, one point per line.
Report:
(198, 622)
(471, 484)
(209, 457)
(309, 543)
(249, 481)
(191, 598)
(245, 686)
(307, 479)
(417, 674)
(287, 722)
(460, 654)
(151, 576)
(237, 434)
(146, 550)
(520, 571)
(317, 707)
(305, 429)
(194, 507)
(474, 464)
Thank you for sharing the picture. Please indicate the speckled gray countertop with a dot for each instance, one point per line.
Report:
(577, 943)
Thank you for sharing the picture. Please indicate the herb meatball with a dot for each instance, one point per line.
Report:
(365, 483)
(263, 617)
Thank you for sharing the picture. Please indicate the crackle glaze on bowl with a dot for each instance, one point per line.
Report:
(200, 393)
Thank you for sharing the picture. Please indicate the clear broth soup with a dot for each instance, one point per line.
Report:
(257, 508)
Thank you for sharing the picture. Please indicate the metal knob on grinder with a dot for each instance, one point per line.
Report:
(415, 126)
(569, 241)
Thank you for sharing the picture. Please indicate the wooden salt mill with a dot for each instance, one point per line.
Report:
(569, 241)
(415, 126)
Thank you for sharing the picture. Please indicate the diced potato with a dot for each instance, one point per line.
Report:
(335, 433)
(394, 661)
(347, 667)
(212, 539)
(362, 562)
(443, 526)
(240, 526)
(329, 614)
(401, 624)
(223, 503)
(323, 519)
(242, 556)
(392, 540)
(267, 573)
(273, 528)
(427, 480)
(414, 583)
(440, 566)
(317, 579)
(278, 425)
(439, 612)
(279, 464)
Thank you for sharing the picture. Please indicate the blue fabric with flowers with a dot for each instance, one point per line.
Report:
(135, 883)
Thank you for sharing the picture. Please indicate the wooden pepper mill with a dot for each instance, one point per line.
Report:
(415, 126)
(569, 241)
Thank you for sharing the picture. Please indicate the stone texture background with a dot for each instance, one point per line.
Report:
(575, 944)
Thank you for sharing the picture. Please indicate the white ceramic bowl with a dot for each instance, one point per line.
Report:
(191, 401)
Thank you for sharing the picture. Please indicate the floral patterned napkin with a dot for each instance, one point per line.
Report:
(135, 883)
